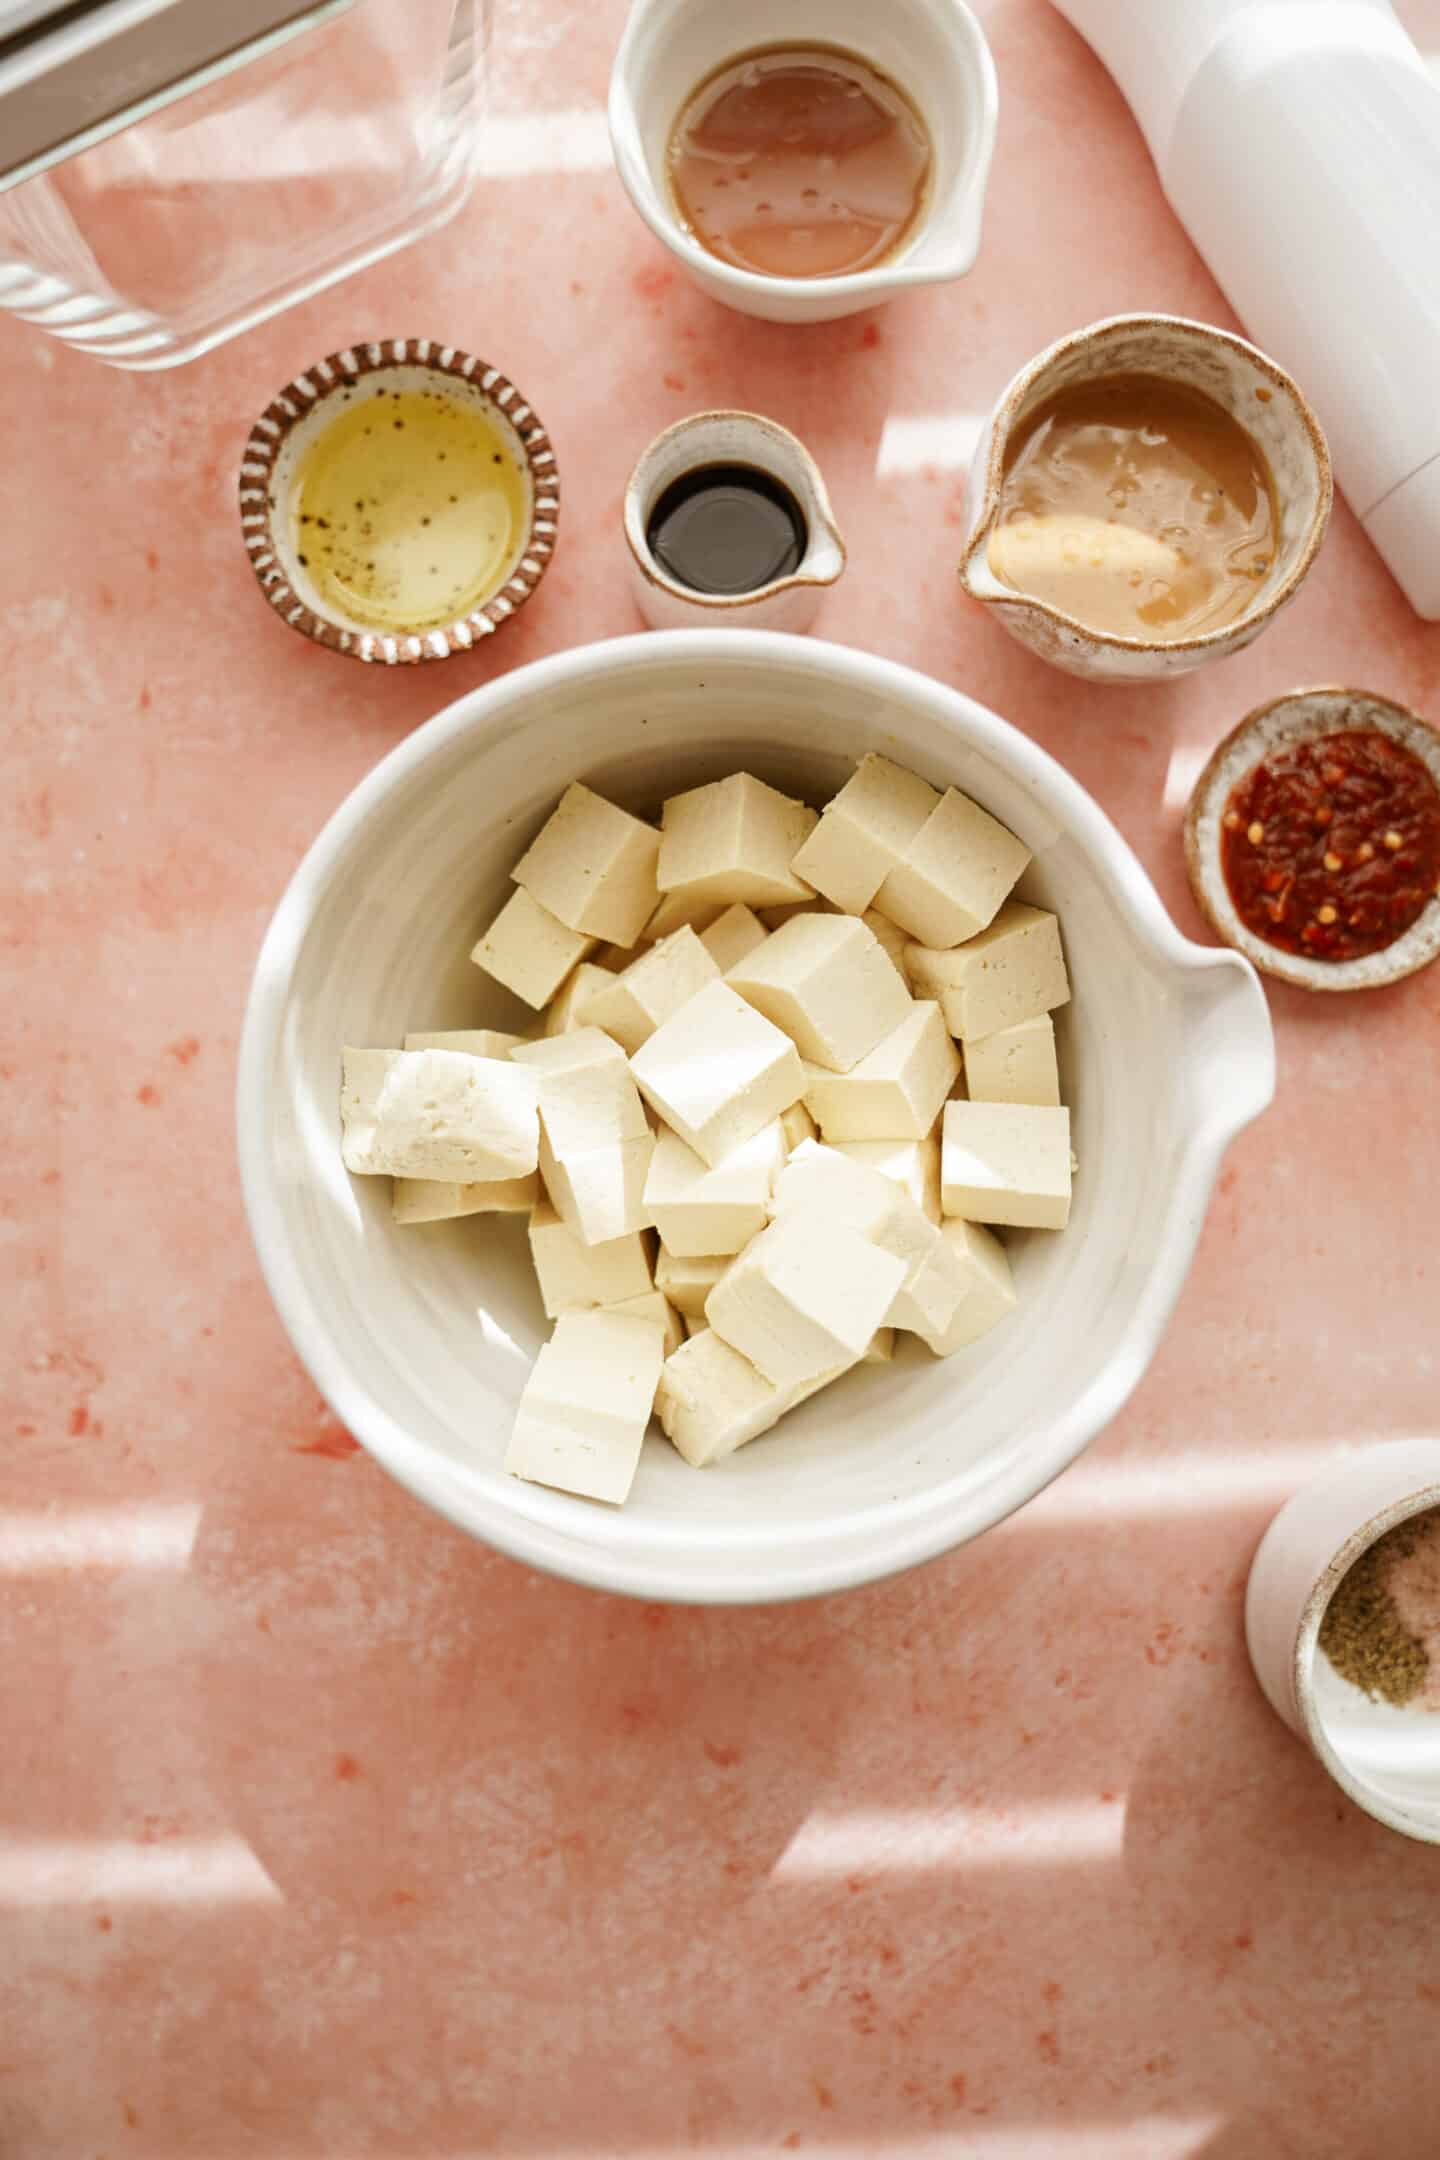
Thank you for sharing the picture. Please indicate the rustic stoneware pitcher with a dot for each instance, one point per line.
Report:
(1257, 393)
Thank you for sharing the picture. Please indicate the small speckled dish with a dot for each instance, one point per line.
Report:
(297, 415)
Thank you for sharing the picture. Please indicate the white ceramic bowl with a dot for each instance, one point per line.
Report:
(1167, 1052)
(934, 50)
(1386, 1759)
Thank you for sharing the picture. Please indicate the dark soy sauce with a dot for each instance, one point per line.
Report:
(727, 529)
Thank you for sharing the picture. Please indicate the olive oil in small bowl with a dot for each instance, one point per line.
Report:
(399, 501)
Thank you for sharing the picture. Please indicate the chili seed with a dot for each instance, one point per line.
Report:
(1365, 852)
(1332, 860)
(1332, 775)
(1232, 821)
(1393, 840)
(1256, 833)
(1326, 914)
(1324, 814)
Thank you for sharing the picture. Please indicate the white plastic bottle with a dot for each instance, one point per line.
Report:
(1299, 143)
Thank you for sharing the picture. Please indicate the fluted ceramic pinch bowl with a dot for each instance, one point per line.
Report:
(422, 1339)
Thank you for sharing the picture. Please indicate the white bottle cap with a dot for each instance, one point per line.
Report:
(1405, 527)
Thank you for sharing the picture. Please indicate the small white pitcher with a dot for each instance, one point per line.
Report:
(1257, 393)
(934, 50)
(732, 438)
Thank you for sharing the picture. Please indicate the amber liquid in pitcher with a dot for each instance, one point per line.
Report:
(1138, 506)
(799, 162)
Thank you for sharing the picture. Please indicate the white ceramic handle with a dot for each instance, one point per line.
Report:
(1230, 1041)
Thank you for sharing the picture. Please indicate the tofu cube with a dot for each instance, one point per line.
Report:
(732, 935)
(957, 872)
(912, 1164)
(586, 1094)
(798, 1126)
(698, 1210)
(898, 1091)
(575, 1277)
(570, 1009)
(733, 840)
(473, 1042)
(1015, 1064)
(1011, 972)
(804, 1299)
(892, 937)
(688, 1281)
(866, 832)
(652, 1305)
(530, 950)
(989, 1294)
(711, 1400)
(426, 1200)
(676, 910)
(717, 1071)
(581, 1421)
(826, 981)
(437, 1114)
(593, 866)
(595, 1139)
(1006, 1163)
(820, 1186)
(630, 1006)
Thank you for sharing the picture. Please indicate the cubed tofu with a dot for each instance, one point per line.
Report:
(569, 1010)
(798, 1126)
(473, 1042)
(804, 1299)
(687, 1282)
(437, 1114)
(989, 1294)
(1006, 1163)
(733, 840)
(630, 1006)
(1015, 1064)
(699, 1210)
(732, 935)
(898, 1091)
(595, 1139)
(676, 910)
(957, 872)
(825, 979)
(717, 1071)
(866, 832)
(530, 950)
(653, 1305)
(820, 1185)
(892, 937)
(1011, 972)
(586, 1094)
(711, 1400)
(600, 1191)
(593, 866)
(427, 1200)
(913, 1164)
(581, 1421)
(574, 1276)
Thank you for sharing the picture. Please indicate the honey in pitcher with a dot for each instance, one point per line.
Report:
(1138, 506)
(409, 509)
(800, 162)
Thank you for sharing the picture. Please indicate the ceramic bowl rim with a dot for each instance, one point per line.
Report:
(1207, 641)
(1306, 1650)
(655, 574)
(311, 388)
(881, 278)
(899, 1533)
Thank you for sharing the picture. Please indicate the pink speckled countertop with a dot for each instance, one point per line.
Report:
(325, 1833)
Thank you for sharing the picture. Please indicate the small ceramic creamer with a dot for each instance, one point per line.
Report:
(934, 51)
(1241, 380)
